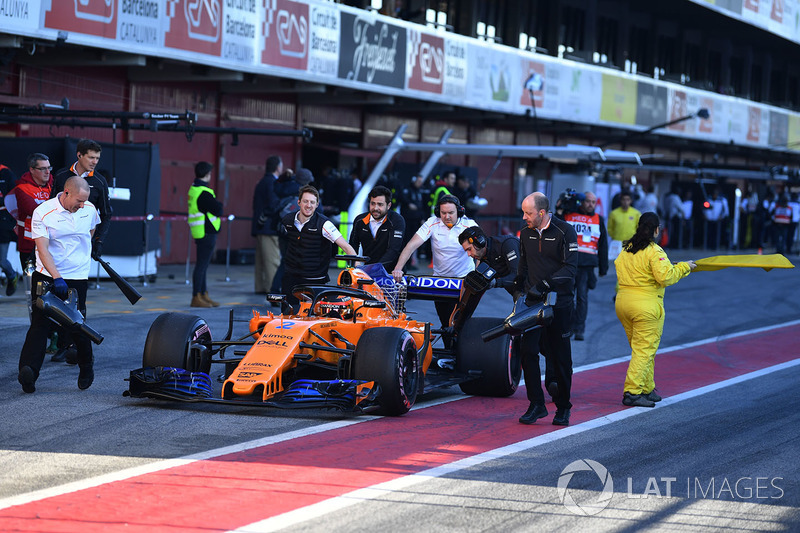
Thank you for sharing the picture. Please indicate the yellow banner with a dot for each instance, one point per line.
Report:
(619, 100)
(767, 262)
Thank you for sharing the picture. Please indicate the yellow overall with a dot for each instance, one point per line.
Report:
(640, 307)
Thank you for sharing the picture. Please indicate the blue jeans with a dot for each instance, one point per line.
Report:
(5, 265)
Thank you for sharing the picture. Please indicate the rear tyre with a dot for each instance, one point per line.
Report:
(498, 361)
(388, 356)
(169, 341)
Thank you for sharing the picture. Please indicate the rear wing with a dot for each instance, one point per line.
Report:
(418, 287)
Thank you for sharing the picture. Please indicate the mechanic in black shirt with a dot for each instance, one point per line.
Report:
(548, 263)
(380, 231)
(501, 253)
(88, 157)
(309, 235)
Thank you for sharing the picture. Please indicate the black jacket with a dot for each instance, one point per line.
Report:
(386, 245)
(502, 254)
(265, 205)
(98, 195)
(549, 261)
(308, 252)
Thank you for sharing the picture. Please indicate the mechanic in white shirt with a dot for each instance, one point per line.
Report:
(62, 229)
(449, 257)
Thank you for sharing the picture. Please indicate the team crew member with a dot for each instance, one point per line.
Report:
(204, 223)
(8, 225)
(88, 158)
(265, 226)
(32, 189)
(62, 228)
(308, 250)
(548, 261)
(501, 253)
(592, 253)
(643, 271)
(449, 258)
(380, 231)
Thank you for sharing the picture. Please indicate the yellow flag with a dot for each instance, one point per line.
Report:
(767, 262)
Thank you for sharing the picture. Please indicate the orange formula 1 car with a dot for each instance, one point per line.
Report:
(349, 346)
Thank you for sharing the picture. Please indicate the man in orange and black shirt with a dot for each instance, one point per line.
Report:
(88, 157)
(592, 252)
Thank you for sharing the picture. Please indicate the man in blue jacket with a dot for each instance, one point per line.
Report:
(265, 226)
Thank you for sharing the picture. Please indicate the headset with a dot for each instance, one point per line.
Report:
(473, 235)
(449, 199)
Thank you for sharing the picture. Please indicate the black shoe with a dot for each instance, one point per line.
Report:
(534, 413)
(86, 377)
(637, 400)
(72, 355)
(11, 285)
(579, 336)
(27, 379)
(561, 418)
(60, 356)
(653, 396)
(552, 389)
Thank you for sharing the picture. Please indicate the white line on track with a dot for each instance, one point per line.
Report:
(358, 495)
(317, 510)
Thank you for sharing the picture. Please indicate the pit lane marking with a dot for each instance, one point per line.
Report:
(318, 510)
(211, 454)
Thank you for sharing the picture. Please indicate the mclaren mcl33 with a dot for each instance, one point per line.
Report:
(349, 346)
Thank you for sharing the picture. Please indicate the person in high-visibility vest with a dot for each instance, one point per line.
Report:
(204, 222)
(592, 253)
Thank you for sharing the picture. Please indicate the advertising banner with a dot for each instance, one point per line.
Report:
(455, 63)
(21, 14)
(581, 92)
(619, 100)
(139, 23)
(286, 34)
(372, 51)
(651, 104)
(323, 54)
(91, 17)
(194, 25)
(426, 60)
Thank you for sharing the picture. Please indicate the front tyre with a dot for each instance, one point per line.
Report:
(178, 340)
(388, 356)
(498, 361)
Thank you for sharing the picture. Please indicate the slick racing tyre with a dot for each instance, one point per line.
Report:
(388, 356)
(170, 339)
(498, 360)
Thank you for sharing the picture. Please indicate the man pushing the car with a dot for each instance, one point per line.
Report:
(308, 250)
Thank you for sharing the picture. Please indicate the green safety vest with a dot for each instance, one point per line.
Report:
(197, 220)
(438, 193)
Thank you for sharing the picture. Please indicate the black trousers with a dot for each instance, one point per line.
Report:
(557, 350)
(33, 350)
(205, 247)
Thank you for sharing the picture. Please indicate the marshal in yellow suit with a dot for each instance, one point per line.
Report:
(642, 277)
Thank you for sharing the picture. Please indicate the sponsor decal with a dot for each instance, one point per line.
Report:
(249, 374)
(140, 23)
(265, 365)
(286, 324)
(272, 343)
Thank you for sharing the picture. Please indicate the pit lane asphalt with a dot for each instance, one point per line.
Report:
(61, 434)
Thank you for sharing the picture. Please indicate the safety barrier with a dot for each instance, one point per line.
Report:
(149, 218)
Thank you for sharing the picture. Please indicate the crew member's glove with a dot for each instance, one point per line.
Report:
(60, 288)
(97, 249)
(536, 293)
